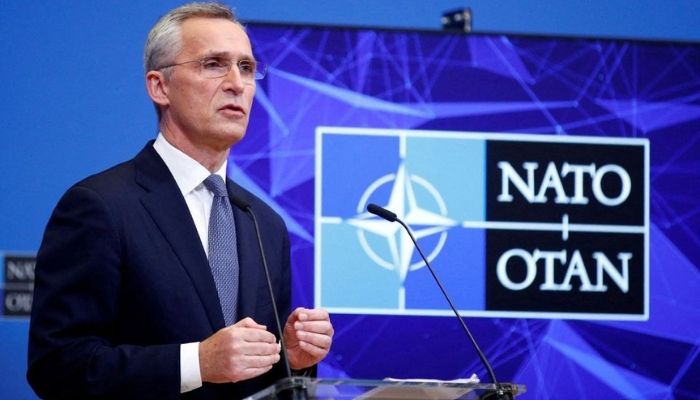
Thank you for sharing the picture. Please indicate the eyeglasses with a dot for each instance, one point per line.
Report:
(216, 67)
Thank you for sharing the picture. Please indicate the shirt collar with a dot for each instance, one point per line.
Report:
(188, 173)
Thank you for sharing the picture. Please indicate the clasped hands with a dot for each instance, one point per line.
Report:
(247, 349)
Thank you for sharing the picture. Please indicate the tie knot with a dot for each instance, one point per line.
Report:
(216, 185)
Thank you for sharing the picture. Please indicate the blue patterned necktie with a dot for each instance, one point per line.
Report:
(223, 252)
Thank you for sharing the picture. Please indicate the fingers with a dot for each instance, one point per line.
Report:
(305, 314)
(309, 340)
(308, 336)
(247, 367)
(246, 347)
(241, 351)
(313, 352)
(249, 323)
(314, 326)
(249, 341)
(316, 321)
(317, 334)
(251, 331)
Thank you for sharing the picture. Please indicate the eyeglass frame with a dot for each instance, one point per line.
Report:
(260, 68)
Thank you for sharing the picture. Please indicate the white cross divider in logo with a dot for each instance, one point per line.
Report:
(423, 221)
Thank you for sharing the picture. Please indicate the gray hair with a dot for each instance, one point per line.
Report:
(164, 41)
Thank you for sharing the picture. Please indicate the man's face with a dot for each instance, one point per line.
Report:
(209, 113)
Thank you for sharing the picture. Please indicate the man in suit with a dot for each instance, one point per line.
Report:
(127, 302)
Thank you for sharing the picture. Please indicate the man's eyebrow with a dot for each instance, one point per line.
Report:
(225, 54)
(210, 53)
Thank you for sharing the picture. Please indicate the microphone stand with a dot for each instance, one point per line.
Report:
(296, 390)
(501, 392)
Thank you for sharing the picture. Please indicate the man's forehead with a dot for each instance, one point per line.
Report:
(214, 35)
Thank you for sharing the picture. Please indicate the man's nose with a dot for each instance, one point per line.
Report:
(234, 79)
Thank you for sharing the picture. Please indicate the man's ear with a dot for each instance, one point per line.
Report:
(157, 88)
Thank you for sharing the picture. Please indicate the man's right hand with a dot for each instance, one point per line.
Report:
(241, 351)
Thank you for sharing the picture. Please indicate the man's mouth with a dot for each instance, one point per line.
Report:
(232, 109)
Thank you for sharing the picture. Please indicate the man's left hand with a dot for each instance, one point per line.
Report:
(308, 335)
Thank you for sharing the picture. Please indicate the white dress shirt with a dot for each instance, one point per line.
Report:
(189, 176)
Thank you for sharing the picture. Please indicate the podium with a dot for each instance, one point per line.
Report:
(303, 388)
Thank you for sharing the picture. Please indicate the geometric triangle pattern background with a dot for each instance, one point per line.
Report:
(494, 83)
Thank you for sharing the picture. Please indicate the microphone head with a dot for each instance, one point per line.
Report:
(381, 212)
(239, 202)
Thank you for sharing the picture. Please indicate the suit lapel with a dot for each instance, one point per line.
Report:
(167, 207)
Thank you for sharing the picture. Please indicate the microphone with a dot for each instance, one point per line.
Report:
(381, 212)
(243, 205)
(501, 392)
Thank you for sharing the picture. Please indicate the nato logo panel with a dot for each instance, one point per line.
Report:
(515, 225)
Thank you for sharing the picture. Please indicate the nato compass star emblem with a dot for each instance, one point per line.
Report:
(423, 219)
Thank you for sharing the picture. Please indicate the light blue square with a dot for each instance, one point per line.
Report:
(358, 270)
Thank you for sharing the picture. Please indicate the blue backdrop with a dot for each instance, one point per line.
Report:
(74, 103)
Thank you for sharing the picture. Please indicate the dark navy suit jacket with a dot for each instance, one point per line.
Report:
(122, 280)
